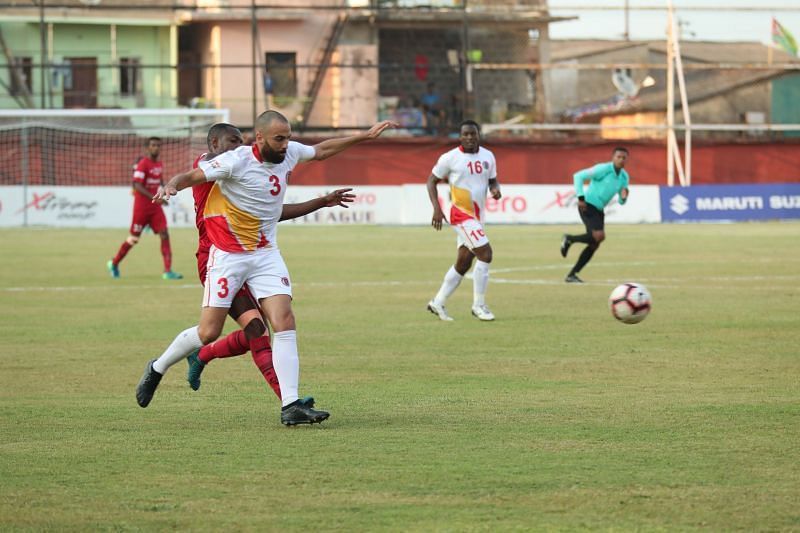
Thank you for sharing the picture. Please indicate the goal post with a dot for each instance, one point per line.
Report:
(96, 147)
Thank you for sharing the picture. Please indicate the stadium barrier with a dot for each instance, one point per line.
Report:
(731, 203)
(110, 207)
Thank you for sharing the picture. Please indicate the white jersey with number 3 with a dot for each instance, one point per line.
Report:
(468, 175)
(246, 201)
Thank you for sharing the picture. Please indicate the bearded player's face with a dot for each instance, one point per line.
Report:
(273, 141)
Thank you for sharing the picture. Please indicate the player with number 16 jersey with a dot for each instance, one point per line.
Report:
(471, 171)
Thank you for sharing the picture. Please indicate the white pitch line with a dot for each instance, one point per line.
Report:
(565, 266)
(705, 282)
(198, 287)
(602, 264)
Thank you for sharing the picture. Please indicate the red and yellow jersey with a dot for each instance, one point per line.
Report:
(246, 200)
(468, 175)
(148, 173)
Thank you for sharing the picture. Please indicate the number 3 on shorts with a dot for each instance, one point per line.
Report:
(223, 287)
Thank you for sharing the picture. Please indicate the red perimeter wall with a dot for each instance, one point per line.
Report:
(393, 161)
(398, 161)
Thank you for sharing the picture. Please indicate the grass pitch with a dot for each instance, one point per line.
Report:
(554, 417)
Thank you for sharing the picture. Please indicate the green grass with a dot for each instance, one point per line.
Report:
(554, 417)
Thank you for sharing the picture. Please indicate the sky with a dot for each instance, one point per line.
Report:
(718, 21)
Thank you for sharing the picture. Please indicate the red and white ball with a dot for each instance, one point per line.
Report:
(630, 303)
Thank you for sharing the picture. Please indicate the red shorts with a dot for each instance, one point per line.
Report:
(202, 264)
(202, 267)
(148, 215)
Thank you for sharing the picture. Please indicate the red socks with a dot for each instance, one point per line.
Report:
(262, 357)
(236, 343)
(123, 251)
(232, 344)
(166, 253)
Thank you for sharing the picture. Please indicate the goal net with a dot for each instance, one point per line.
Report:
(97, 147)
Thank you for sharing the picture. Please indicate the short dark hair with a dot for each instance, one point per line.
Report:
(469, 123)
(619, 149)
(217, 130)
(268, 117)
(151, 139)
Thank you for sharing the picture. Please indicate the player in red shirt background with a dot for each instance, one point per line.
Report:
(147, 177)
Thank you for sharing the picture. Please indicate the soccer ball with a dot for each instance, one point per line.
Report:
(630, 303)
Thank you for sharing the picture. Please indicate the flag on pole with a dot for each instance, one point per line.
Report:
(782, 38)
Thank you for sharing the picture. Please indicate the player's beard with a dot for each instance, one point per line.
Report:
(272, 156)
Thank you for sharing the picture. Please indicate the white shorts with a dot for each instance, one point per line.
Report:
(263, 270)
(470, 234)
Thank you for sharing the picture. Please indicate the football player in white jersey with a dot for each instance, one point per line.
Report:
(470, 170)
(241, 215)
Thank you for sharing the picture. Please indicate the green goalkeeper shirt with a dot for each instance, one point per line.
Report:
(604, 184)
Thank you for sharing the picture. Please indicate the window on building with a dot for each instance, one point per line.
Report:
(282, 73)
(129, 72)
(24, 68)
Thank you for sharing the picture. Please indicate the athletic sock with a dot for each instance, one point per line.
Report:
(586, 254)
(287, 364)
(231, 345)
(451, 282)
(182, 346)
(585, 238)
(166, 254)
(480, 279)
(123, 251)
(262, 357)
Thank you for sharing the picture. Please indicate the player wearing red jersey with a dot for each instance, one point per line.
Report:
(147, 178)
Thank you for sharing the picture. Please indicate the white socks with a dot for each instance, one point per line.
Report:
(287, 364)
(451, 282)
(184, 343)
(480, 279)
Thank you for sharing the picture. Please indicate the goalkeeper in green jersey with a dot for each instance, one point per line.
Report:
(605, 181)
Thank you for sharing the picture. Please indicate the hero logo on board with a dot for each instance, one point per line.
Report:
(516, 204)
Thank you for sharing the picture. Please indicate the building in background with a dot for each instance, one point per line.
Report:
(344, 64)
(347, 63)
(77, 56)
(324, 63)
(638, 96)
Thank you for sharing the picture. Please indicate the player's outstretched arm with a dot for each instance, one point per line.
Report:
(339, 197)
(331, 147)
(178, 183)
(433, 195)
